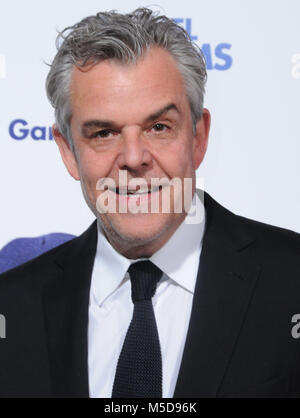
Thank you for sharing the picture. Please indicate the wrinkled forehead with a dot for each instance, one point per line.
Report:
(114, 88)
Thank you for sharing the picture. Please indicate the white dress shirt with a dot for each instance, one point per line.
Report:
(111, 307)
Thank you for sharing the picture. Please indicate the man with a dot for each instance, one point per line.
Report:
(145, 303)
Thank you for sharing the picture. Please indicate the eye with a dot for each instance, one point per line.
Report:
(104, 133)
(160, 127)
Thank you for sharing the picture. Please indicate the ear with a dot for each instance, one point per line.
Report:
(67, 154)
(201, 138)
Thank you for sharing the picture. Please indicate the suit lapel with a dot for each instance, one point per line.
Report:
(66, 302)
(225, 283)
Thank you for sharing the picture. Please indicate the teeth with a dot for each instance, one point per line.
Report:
(137, 192)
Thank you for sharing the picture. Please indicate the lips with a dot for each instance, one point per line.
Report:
(137, 192)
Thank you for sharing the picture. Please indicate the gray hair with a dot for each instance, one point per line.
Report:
(124, 37)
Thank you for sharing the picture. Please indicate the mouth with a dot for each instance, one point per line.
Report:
(128, 198)
(124, 192)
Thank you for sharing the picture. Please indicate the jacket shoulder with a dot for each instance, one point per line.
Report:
(34, 271)
(273, 237)
(21, 250)
(243, 230)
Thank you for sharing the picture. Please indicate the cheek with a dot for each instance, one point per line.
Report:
(91, 169)
(92, 166)
(181, 158)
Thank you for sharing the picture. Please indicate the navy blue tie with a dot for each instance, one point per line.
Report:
(139, 368)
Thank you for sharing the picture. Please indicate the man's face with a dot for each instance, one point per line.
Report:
(135, 118)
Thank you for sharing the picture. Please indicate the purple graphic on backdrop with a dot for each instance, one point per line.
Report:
(20, 129)
(217, 57)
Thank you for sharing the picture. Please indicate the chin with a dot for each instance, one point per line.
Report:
(140, 229)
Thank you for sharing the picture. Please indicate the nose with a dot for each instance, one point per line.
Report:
(135, 155)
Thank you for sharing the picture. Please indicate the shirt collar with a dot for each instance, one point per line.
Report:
(178, 258)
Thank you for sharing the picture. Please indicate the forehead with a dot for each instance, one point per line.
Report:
(112, 87)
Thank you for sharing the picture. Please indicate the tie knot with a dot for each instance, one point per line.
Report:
(144, 276)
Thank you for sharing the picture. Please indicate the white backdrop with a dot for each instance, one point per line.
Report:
(253, 92)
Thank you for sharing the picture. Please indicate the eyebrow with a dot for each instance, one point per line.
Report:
(162, 111)
(106, 124)
(95, 123)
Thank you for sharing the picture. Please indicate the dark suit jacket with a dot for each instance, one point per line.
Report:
(239, 341)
